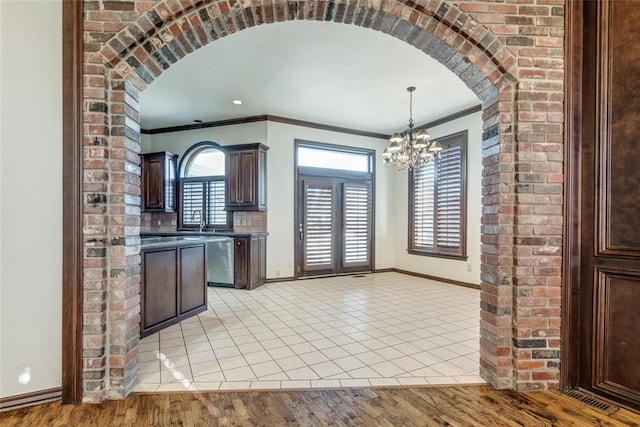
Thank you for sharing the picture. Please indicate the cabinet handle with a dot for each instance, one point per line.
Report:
(300, 233)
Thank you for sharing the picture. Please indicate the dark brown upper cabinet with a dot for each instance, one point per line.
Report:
(159, 182)
(246, 183)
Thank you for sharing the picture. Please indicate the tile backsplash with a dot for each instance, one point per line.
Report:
(158, 221)
(243, 222)
(250, 221)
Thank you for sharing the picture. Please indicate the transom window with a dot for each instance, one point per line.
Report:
(322, 157)
(205, 162)
(202, 188)
(437, 202)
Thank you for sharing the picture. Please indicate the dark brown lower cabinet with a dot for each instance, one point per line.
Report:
(173, 286)
(250, 266)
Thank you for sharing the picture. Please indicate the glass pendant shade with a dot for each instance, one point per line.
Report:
(435, 147)
(423, 135)
(420, 143)
(394, 147)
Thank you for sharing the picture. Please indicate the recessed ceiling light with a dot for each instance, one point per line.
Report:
(236, 102)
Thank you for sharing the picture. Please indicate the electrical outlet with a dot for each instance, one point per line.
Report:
(468, 267)
(277, 273)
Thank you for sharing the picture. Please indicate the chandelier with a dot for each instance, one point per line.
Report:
(411, 148)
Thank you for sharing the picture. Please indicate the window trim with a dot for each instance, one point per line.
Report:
(461, 254)
(185, 160)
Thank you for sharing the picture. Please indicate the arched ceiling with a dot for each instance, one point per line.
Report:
(324, 72)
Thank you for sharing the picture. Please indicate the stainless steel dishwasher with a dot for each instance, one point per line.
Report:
(220, 262)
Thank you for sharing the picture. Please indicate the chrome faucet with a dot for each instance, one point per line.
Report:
(193, 216)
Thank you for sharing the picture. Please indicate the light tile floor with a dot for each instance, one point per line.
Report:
(376, 330)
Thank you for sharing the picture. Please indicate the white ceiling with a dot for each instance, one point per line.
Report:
(324, 72)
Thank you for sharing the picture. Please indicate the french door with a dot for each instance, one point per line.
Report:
(334, 232)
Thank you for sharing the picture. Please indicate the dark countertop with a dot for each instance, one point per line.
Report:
(147, 242)
(229, 233)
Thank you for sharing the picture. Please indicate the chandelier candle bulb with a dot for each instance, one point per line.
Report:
(411, 148)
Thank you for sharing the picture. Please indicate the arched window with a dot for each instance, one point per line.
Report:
(202, 187)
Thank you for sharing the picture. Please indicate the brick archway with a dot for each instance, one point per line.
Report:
(146, 38)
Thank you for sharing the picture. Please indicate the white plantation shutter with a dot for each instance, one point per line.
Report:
(205, 195)
(318, 227)
(437, 207)
(424, 199)
(192, 194)
(449, 197)
(357, 223)
(215, 203)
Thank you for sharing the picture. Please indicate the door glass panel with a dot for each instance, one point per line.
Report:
(318, 225)
(357, 201)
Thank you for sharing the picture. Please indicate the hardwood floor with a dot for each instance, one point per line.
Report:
(399, 406)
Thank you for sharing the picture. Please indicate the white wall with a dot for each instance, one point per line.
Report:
(280, 181)
(280, 190)
(442, 267)
(30, 195)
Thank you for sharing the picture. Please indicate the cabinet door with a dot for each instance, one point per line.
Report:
(159, 281)
(232, 195)
(193, 280)
(257, 268)
(248, 193)
(241, 264)
(262, 260)
(170, 175)
(261, 190)
(153, 177)
(254, 266)
(246, 187)
(159, 182)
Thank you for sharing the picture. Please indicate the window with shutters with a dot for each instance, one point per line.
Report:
(201, 189)
(437, 202)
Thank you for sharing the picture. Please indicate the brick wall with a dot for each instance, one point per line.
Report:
(509, 52)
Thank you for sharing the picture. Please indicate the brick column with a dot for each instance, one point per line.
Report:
(95, 240)
(538, 232)
(124, 234)
(497, 239)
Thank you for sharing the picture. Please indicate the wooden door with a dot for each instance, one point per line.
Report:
(335, 226)
(609, 288)
(356, 227)
(317, 227)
